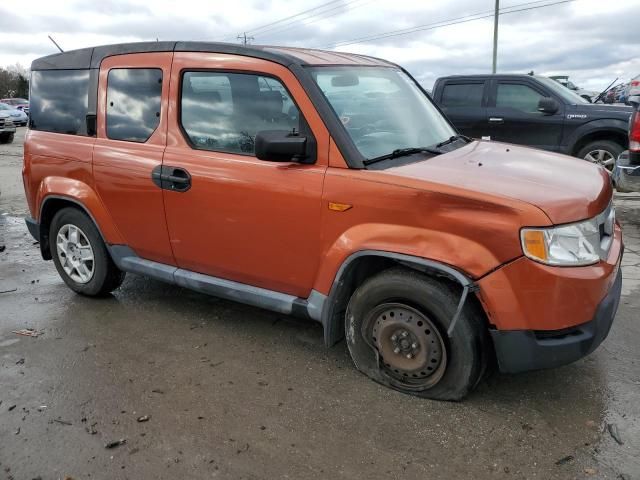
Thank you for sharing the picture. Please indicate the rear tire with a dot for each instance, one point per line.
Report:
(80, 255)
(428, 364)
(7, 138)
(601, 152)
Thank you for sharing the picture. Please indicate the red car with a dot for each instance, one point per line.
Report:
(17, 103)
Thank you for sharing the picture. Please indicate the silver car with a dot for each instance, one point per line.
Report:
(18, 117)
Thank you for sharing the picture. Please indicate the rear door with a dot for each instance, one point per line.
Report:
(131, 137)
(241, 218)
(464, 103)
(513, 115)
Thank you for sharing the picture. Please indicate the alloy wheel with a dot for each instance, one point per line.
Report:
(75, 253)
(603, 158)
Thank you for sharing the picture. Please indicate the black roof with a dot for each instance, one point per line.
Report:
(92, 57)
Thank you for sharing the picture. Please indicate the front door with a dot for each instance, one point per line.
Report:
(131, 137)
(240, 218)
(513, 116)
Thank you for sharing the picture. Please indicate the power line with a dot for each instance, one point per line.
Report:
(446, 23)
(318, 7)
(303, 22)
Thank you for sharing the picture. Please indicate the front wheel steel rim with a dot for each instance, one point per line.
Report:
(410, 347)
(601, 157)
(75, 253)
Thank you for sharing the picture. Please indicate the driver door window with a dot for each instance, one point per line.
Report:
(519, 97)
(223, 111)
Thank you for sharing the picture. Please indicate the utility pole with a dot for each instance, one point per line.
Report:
(245, 40)
(55, 43)
(495, 36)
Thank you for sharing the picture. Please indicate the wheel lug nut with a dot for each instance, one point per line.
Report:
(409, 355)
(405, 334)
(394, 337)
(414, 345)
(396, 350)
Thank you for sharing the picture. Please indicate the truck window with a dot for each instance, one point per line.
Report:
(223, 111)
(133, 103)
(59, 101)
(462, 95)
(518, 96)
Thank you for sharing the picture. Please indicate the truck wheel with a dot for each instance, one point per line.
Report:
(7, 138)
(601, 152)
(396, 330)
(80, 255)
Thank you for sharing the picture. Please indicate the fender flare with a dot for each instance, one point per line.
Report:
(85, 198)
(331, 321)
(595, 126)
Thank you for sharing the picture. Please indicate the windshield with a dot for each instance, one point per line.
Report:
(382, 109)
(562, 91)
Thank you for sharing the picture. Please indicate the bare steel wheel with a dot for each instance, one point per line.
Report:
(75, 253)
(409, 343)
(395, 326)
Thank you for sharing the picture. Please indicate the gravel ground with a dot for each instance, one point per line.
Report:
(234, 392)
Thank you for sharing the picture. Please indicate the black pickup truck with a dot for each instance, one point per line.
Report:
(534, 111)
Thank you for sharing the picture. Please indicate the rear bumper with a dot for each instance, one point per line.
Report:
(626, 174)
(521, 350)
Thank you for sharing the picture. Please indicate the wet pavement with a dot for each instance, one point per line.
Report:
(235, 392)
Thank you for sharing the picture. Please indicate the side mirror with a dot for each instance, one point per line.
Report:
(280, 146)
(635, 100)
(548, 106)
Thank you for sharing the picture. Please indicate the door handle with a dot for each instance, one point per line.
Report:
(496, 120)
(171, 178)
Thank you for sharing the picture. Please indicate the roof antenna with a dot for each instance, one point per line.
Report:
(55, 43)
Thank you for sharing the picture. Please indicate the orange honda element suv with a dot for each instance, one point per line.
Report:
(324, 185)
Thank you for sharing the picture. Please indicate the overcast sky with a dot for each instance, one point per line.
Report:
(593, 41)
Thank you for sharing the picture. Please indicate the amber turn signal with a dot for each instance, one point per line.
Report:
(534, 244)
(339, 207)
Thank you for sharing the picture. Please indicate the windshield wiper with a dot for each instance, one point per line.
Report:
(402, 152)
(453, 139)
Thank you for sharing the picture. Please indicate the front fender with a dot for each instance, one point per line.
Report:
(595, 126)
(462, 254)
(83, 195)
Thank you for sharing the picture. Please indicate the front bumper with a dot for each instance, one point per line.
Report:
(521, 350)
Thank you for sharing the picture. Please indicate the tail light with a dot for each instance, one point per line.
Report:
(635, 83)
(634, 133)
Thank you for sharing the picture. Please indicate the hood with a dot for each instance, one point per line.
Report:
(5, 113)
(566, 189)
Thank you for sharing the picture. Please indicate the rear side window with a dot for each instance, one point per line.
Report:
(462, 95)
(59, 101)
(133, 103)
(520, 97)
(223, 111)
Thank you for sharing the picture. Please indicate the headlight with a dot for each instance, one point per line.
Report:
(566, 245)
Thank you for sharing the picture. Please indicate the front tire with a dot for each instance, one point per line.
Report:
(601, 152)
(80, 255)
(396, 329)
(6, 138)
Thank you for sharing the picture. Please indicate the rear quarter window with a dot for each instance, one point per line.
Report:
(59, 101)
(462, 94)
